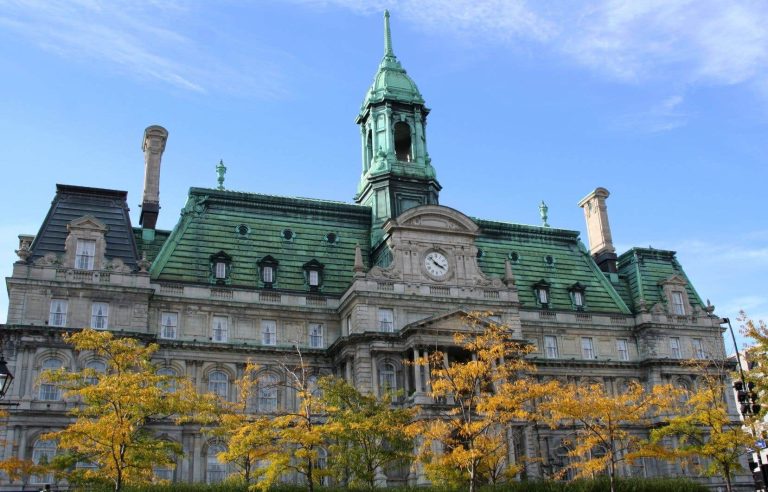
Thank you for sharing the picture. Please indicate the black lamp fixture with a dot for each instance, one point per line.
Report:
(6, 378)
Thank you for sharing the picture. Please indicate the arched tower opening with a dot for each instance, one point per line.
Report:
(403, 141)
(369, 150)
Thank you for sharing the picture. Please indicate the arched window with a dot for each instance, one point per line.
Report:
(321, 463)
(387, 378)
(403, 141)
(218, 383)
(168, 384)
(215, 470)
(95, 368)
(369, 150)
(43, 452)
(50, 391)
(268, 393)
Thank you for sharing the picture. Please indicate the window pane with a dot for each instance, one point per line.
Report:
(578, 298)
(678, 306)
(268, 274)
(550, 347)
(386, 320)
(42, 454)
(221, 269)
(543, 295)
(314, 278)
(100, 315)
(98, 367)
(168, 323)
(698, 349)
(674, 347)
(268, 393)
(215, 470)
(587, 350)
(49, 391)
(169, 384)
(268, 332)
(58, 314)
(86, 250)
(622, 349)
(316, 335)
(220, 329)
(387, 378)
(218, 384)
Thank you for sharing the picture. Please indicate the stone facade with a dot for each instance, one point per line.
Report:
(360, 289)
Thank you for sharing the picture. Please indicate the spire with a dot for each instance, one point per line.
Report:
(387, 36)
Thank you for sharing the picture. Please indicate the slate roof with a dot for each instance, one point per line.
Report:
(211, 222)
(645, 268)
(571, 263)
(74, 202)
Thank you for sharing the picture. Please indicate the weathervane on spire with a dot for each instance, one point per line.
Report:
(221, 170)
(387, 36)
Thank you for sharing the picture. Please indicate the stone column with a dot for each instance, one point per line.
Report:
(348, 371)
(374, 376)
(416, 371)
(426, 373)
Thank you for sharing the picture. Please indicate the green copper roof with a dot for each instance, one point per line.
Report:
(248, 227)
(150, 247)
(645, 269)
(553, 255)
(391, 82)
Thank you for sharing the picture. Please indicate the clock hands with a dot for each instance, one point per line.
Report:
(442, 267)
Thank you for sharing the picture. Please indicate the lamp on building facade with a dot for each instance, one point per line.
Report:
(6, 378)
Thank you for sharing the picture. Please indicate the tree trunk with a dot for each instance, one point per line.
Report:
(727, 473)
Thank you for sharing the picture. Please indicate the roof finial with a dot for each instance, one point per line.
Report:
(221, 170)
(543, 212)
(387, 36)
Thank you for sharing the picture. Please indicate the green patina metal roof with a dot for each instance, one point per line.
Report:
(249, 227)
(570, 263)
(645, 269)
(150, 247)
(391, 82)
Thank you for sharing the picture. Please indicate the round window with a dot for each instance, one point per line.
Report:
(287, 234)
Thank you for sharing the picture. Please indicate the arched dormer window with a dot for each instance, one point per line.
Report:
(541, 290)
(268, 271)
(403, 142)
(313, 271)
(221, 268)
(577, 296)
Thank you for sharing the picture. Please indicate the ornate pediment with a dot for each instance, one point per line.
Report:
(87, 223)
(434, 218)
(675, 280)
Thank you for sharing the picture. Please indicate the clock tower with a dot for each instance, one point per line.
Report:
(397, 173)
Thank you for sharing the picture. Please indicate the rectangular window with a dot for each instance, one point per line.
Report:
(314, 278)
(674, 348)
(543, 296)
(220, 329)
(168, 324)
(622, 349)
(678, 306)
(698, 349)
(58, 314)
(386, 320)
(315, 335)
(587, 349)
(100, 315)
(84, 254)
(268, 274)
(221, 269)
(349, 324)
(268, 332)
(578, 299)
(550, 347)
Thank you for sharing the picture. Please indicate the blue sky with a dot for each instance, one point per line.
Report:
(665, 103)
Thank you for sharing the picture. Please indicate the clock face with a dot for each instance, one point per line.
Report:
(436, 264)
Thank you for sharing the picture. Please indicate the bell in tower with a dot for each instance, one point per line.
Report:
(397, 171)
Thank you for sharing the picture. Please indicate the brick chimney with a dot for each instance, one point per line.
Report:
(153, 146)
(599, 231)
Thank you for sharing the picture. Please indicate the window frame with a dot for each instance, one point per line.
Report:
(313, 274)
(622, 352)
(588, 352)
(697, 344)
(100, 321)
(219, 335)
(271, 339)
(542, 293)
(219, 387)
(84, 260)
(165, 333)
(49, 391)
(675, 348)
(678, 303)
(58, 318)
(384, 374)
(269, 395)
(551, 351)
(316, 340)
(221, 263)
(384, 325)
(268, 263)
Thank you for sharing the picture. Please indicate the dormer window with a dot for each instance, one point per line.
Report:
(268, 271)
(85, 253)
(221, 268)
(541, 289)
(577, 296)
(314, 274)
(678, 306)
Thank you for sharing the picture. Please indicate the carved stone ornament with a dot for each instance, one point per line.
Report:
(144, 263)
(388, 273)
(50, 259)
(118, 266)
(24, 253)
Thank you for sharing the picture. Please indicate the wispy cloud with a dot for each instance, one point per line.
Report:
(664, 116)
(140, 38)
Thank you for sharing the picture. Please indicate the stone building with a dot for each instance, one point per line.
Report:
(360, 287)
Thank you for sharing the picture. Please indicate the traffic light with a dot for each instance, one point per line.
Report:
(747, 398)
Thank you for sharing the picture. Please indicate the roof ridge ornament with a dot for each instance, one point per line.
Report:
(221, 170)
(387, 36)
(543, 209)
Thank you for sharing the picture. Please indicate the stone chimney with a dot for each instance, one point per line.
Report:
(599, 231)
(153, 146)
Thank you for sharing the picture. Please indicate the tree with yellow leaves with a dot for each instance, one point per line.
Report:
(484, 393)
(701, 425)
(606, 428)
(366, 435)
(111, 427)
(249, 436)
